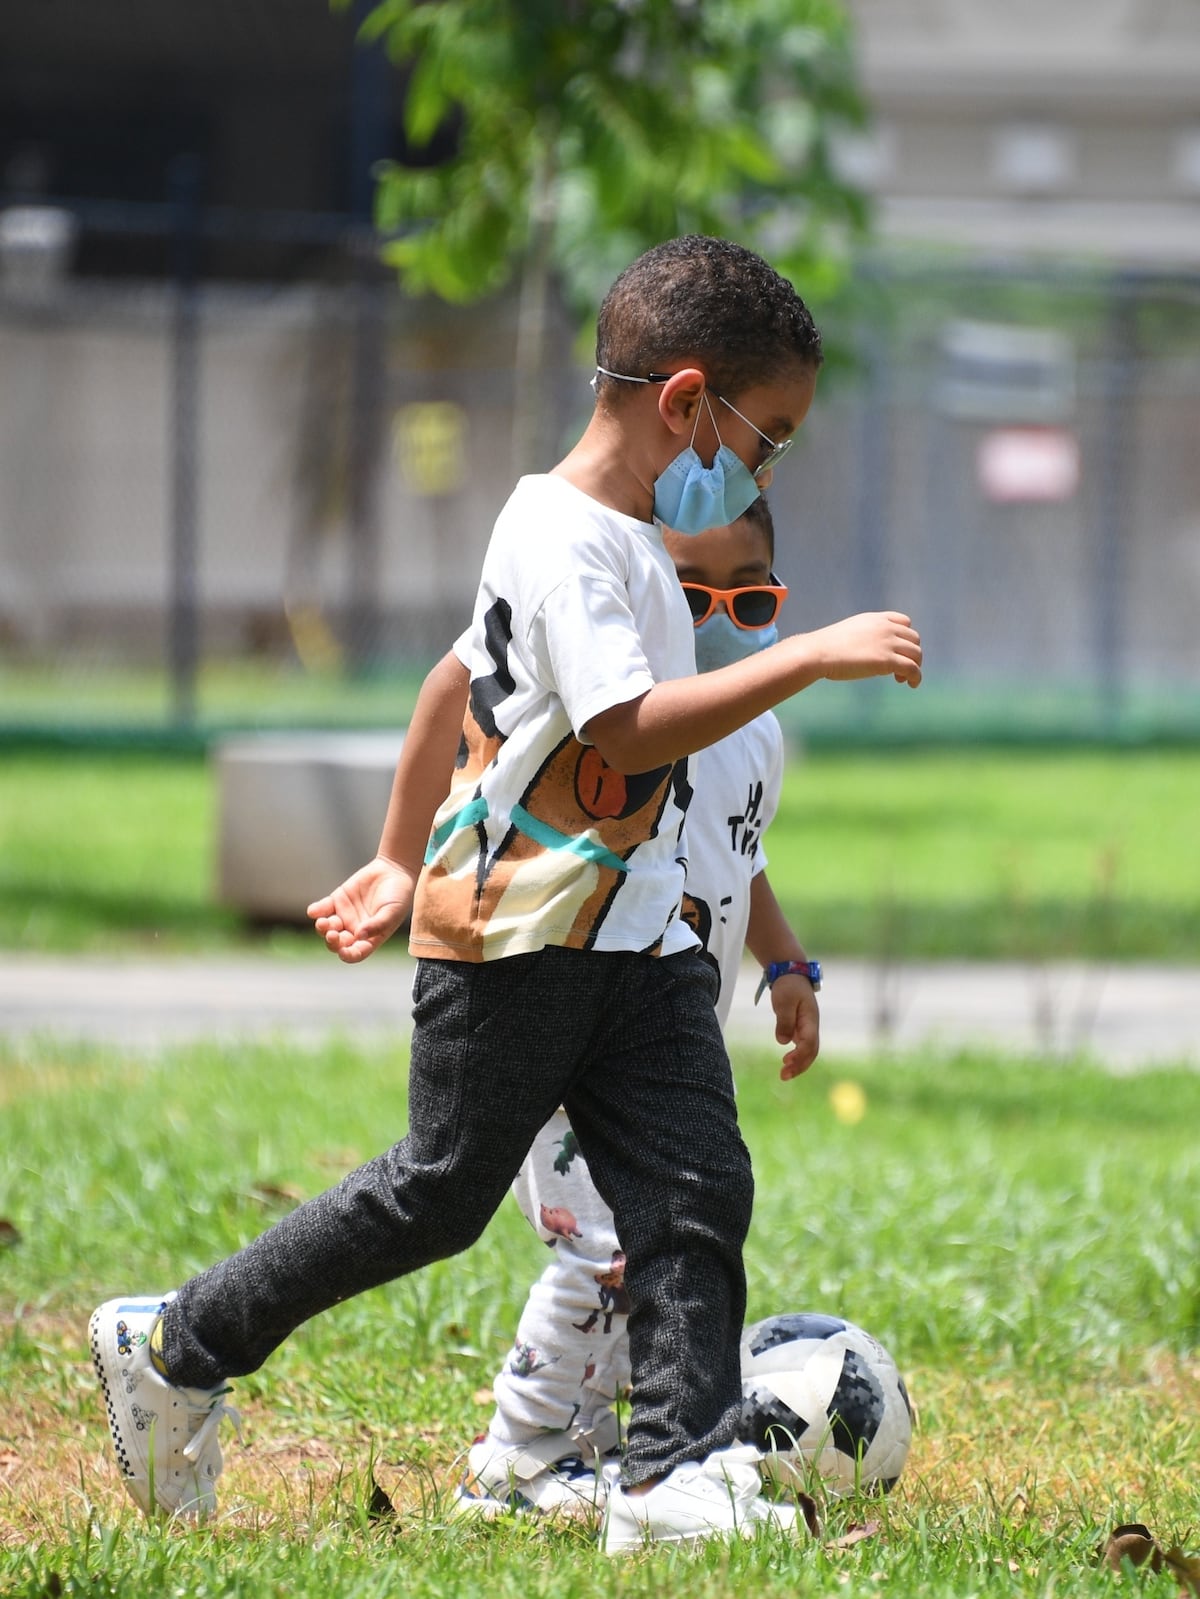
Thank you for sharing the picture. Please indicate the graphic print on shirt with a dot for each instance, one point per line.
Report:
(745, 829)
(732, 840)
(571, 831)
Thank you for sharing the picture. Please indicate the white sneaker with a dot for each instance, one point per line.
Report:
(165, 1437)
(716, 1497)
(546, 1475)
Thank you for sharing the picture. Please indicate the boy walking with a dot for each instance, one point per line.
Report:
(557, 1392)
(554, 967)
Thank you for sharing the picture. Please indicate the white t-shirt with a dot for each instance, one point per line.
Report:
(540, 841)
(737, 785)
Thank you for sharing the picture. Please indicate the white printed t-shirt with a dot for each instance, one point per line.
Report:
(540, 841)
(737, 785)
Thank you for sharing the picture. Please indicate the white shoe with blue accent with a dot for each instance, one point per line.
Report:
(165, 1437)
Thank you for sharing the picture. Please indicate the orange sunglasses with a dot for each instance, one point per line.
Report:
(749, 608)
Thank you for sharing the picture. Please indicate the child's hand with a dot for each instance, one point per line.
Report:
(797, 1022)
(873, 644)
(365, 910)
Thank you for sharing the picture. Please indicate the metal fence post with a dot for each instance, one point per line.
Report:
(1115, 473)
(368, 394)
(872, 498)
(182, 611)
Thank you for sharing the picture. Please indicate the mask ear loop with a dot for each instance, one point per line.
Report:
(695, 429)
(711, 418)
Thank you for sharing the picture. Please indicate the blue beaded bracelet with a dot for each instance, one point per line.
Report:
(809, 969)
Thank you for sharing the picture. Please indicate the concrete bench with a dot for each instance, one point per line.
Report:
(297, 813)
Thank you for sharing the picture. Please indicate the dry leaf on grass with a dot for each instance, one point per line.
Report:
(380, 1506)
(276, 1194)
(859, 1532)
(1135, 1543)
(807, 1506)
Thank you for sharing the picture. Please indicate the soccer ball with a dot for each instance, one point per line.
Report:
(821, 1395)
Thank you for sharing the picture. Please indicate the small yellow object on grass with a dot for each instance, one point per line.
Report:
(849, 1102)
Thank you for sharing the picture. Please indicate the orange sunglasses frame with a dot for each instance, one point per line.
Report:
(715, 596)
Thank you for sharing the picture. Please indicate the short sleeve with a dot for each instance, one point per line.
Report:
(586, 643)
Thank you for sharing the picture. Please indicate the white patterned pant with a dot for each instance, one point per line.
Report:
(569, 1363)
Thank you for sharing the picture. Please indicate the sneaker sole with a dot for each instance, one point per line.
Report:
(629, 1543)
(125, 1465)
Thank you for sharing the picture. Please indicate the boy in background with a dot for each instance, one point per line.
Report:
(555, 1415)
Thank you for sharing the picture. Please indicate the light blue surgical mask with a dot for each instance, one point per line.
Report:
(691, 497)
(719, 642)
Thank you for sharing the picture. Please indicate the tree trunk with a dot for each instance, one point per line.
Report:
(530, 445)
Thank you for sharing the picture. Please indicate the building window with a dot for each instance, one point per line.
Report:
(1186, 162)
(1032, 158)
(864, 158)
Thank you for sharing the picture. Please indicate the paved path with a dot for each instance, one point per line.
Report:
(1126, 1016)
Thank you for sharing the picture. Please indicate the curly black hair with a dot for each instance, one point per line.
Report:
(708, 301)
(758, 514)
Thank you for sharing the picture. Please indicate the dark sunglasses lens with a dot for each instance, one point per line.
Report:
(698, 602)
(755, 607)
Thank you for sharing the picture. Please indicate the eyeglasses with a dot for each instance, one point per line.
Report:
(773, 456)
(752, 607)
(777, 451)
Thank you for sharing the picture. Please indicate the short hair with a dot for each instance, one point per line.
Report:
(758, 514)
(707, 300)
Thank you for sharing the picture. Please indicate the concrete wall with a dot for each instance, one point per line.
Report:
(879, 504)
(89, 426)
(1066, 127)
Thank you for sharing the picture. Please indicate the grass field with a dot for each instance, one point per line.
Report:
(927, 853)
(1025, 1238)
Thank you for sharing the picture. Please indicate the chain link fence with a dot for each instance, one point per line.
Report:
(266, 505)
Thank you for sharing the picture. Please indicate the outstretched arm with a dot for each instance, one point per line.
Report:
(687, 714)
(365, 910)
(769, 937)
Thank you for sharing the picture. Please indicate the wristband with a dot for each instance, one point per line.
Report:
(809, 969)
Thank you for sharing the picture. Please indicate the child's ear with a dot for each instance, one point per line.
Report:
(679, 397)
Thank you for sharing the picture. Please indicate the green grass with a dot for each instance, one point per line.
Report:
(987, 853)
(1024, 1237)
(92, 698)
(89, 698)
(923, 853)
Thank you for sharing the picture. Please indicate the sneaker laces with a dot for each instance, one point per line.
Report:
(204, 1418)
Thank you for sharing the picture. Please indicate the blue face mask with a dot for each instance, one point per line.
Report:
(691, 497)
(719, 642)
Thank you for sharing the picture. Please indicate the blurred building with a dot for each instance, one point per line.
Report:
(222, 433)
(1070, 127)
(256, 105)
(1065, 125)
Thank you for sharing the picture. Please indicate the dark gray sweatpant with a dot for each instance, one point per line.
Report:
(630, 1045)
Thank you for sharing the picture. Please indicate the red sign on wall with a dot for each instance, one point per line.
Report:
(1028, 465)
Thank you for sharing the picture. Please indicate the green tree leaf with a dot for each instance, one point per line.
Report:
(588, 130)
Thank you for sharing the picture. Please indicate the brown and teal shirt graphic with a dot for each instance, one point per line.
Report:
(540, 841)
